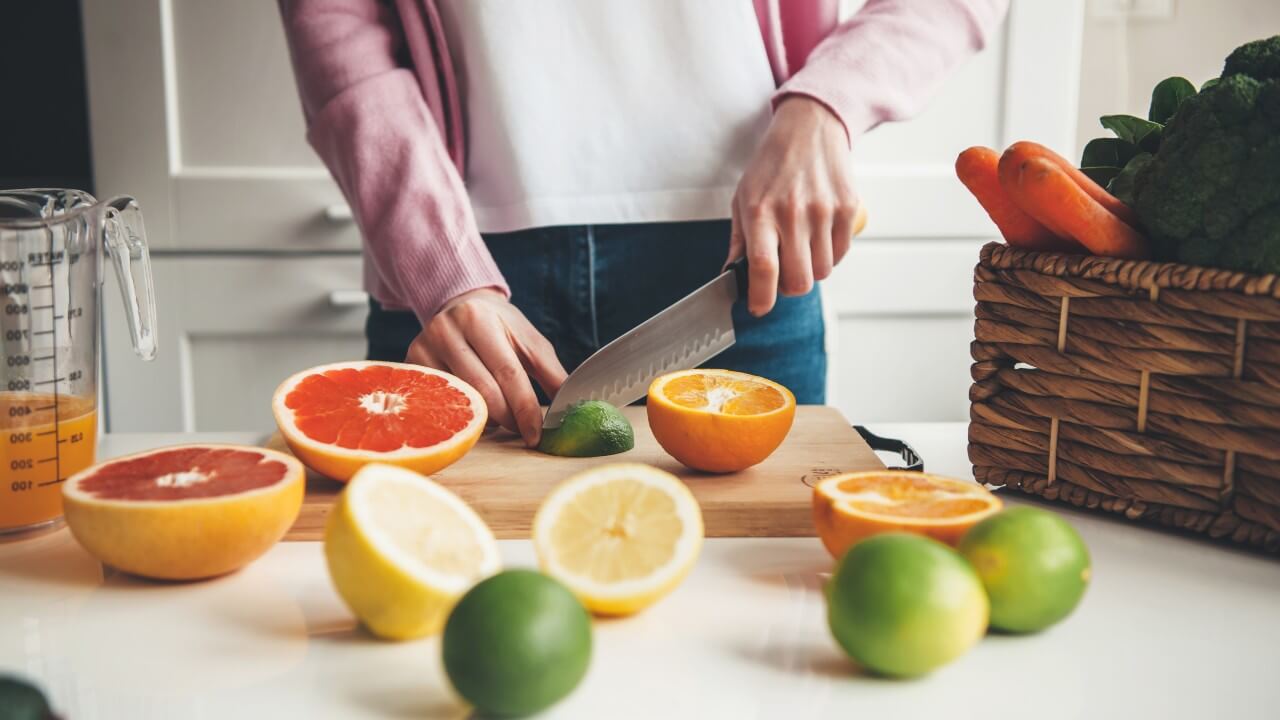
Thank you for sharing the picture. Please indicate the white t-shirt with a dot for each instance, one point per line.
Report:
(606, 111)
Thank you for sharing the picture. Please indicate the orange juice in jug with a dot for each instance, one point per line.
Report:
(44, 439)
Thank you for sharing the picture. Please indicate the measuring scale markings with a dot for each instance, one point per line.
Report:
(41, 415)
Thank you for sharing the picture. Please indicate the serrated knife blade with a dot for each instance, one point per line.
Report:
(692, 331)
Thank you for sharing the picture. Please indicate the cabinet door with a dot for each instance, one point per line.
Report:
(193, 111)
(231, 329)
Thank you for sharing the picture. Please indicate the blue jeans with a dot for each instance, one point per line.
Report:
(584, 285)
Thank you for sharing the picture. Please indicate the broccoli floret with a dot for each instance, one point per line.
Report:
(1258, 59)
(1211, 194)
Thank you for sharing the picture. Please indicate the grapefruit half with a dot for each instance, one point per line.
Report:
(184, 512)
(338, 418)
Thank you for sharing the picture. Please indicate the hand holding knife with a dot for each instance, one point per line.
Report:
(690, 332)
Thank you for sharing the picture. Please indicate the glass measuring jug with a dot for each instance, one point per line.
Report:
(52, 244)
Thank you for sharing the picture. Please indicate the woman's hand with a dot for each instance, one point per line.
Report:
(484, 339)
(795, 207)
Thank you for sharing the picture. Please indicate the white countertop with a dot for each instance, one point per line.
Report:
(1171, 627)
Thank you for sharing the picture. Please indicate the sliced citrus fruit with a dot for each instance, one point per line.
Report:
(338, 418)
(848, 508)
(401, 550)
(620, 536)
(184, 512)
(719, 420)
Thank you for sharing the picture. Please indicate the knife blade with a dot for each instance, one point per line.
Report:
(690, 332)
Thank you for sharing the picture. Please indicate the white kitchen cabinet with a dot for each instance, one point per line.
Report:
(194, 112)
(231, 328)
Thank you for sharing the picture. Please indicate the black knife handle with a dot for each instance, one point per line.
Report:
(740, 273)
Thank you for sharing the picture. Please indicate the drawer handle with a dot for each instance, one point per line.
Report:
(348, 298)
(338, 213)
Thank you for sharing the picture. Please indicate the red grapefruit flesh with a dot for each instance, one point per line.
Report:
(185, 512)
(338, 418)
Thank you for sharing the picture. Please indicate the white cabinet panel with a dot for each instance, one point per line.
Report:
(236, 102)
(892, 277)
(900, 348)
(231, 328)
(234, 212)
(903, 368)
(235, 374)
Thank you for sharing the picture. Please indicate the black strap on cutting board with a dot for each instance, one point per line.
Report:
(911, 459)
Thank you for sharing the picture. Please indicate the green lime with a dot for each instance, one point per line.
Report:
(903, 605)
(20, 700)
(1034, 565)
(516, 643)
(590, 429)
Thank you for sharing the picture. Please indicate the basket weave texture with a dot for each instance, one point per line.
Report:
(1142, 388)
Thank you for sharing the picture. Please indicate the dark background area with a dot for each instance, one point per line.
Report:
(44, 114)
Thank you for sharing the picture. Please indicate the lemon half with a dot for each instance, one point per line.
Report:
(401, 550)
(620, 536)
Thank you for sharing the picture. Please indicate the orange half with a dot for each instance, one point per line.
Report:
(848, 508)
(338, 418)
(719, 420)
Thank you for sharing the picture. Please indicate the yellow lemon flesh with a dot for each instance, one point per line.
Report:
(620, 536)
(401, 550)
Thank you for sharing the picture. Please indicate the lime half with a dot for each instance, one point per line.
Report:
(590, 429)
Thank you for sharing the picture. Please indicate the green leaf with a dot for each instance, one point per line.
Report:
(1101, 174)
(1129, 128)
(1122, 184)
(1107, 152)
(1208, 84)
(1151, 143)
(1167, 96)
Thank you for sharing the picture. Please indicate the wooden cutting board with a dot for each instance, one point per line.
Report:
(505, 482)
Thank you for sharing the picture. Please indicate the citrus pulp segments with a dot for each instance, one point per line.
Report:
(189, 538)
(715, 438)
(627, 596)
(843, 518)
(340, 463)
(378, 545)
(734, 385)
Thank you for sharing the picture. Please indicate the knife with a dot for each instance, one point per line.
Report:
(688, 333)
(692, 331)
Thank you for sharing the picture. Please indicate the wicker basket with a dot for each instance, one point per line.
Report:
(1142, 388)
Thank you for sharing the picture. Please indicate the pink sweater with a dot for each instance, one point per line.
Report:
(392, 136)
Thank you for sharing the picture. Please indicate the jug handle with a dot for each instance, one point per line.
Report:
(125, 240)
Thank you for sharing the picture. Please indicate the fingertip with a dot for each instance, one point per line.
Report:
(761, 308)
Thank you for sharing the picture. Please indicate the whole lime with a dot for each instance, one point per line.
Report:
(516, 643)
(589, 429)
(903, 605)
(1034, 565)
(20, 700)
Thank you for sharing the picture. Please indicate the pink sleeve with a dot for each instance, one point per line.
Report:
(891, 57)
(368, 121)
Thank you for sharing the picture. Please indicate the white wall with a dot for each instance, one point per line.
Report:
(1124, 58)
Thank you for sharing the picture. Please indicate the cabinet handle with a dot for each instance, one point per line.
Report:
(338, 213)
(348, 298)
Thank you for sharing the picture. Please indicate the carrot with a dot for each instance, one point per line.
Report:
(977, 169)
(1049, 194)
(1025, 149)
